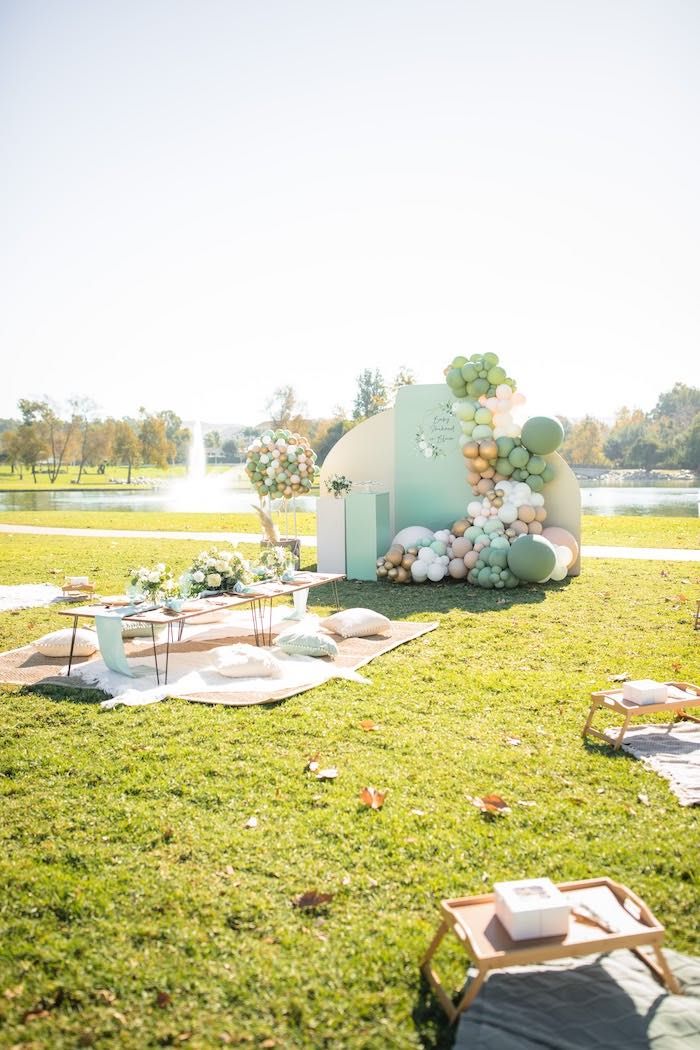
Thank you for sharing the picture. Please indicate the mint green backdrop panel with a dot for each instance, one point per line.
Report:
(431, 476)
(367, 533)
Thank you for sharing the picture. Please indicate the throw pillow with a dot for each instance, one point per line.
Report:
(245, 661)
(138, 629)
(357, 623)
(58, 643)
(300, 642)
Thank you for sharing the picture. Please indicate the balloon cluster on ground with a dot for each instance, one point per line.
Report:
(281, 464)
(502, 540)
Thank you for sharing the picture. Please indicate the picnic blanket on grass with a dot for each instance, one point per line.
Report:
(672, 752)
(598, 1002)
(28, 596)
(191, 674)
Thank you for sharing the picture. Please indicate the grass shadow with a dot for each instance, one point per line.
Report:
(434, 1030)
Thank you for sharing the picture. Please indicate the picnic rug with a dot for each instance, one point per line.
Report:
(673, 753)
(190, 664)
(599, 1002)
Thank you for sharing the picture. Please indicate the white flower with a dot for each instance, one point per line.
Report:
(154, 577)
(213, 580)
(198, 576)
(221, 565)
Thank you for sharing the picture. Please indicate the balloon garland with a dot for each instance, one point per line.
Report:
(281, 464)
(502, 541)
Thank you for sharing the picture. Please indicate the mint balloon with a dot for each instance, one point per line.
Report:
(531, 558)
(518, 456)
(469, 372)
(542, 435)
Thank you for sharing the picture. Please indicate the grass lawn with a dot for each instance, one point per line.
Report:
(91, 479)
(595, 531)
(139, 909)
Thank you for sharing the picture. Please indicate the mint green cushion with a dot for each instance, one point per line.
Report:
(300, 642)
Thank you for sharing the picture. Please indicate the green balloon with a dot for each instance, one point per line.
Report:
(476, 358)
(459, 391)
(536, 464)
(518, 456)
(454, 378)
(458, 362)
(504, 467)
(505, 445)
(535, 482)
(483, 415)
(542, 435)
(531, 558)
(498, 558)
(490, 359)
(496, 375)
(474, 533)
(481, 431)
(548, 474)
(469, 372)
(477, 388)
(484, 578)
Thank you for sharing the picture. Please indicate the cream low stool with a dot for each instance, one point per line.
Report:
(681, 696)
(77, 587)
(605, 915)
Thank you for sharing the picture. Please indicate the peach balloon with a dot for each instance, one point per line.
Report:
(527, 513)
(457, 569)
(562, 538)
(484, 486)
(541, 514)
(471, 559)
(534, 527)
(460, 527)
(461, 546)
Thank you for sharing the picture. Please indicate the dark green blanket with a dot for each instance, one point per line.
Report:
(601, 1002)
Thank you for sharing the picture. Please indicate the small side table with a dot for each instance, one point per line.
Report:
(609, 916)
(612, 700)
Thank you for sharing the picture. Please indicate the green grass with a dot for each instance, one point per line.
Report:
(91, 479)
(139, 911)
(598, 531)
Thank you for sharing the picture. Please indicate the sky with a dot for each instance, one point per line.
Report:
(205, 200)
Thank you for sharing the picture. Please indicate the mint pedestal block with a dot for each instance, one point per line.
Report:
(367, 533)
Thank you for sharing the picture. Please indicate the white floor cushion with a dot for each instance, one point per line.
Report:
(58, 643)
(245, 661)
(357, 623)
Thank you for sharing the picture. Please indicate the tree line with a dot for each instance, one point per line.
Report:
(48, 439)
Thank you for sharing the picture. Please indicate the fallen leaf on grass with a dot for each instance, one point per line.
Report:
(624, 677)
(269, 1043)
(106, 995)
(369, 726)
(643, 798)
(118, 1016)
(163, 1000)
(514, 741)
(676, 666)
(369, 796)
(13, 993)
(311, 899)
(330, 773)
(493, 805)
(313, 764)
(251, 822)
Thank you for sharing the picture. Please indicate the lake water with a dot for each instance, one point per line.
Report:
(665, 500)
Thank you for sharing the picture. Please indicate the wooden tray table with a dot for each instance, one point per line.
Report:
(612, 700)
(609, 916)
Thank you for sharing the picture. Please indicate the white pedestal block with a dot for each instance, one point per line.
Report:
(330, 534)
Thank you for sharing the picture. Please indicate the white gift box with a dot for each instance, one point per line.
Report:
(645, 691)
(532, 908)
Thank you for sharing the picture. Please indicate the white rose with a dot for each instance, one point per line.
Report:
(213, 580)
(154, 577)
(198, 576)
(221, 566)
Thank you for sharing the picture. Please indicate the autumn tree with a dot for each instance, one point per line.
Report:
(583, 446)
(285, 411)
(127, 446)
(155, 447)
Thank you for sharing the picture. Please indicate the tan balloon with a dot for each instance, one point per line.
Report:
(473, 478)
(471, 559)
(471, 449)
(534, 527)
(407, 561)
(393, 573)
(401, 575)
(488, 473)
(484, 485)
(461, 546)
(518, 528)
(457, 569)
(527, 514)
(480, 463)
(540, 514)
(460, 527)
(395, 555)
(381, 572)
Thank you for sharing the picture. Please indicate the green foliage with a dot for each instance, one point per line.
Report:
(371, 396)
(140, 911)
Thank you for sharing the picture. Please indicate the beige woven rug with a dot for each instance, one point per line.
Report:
(26, 668)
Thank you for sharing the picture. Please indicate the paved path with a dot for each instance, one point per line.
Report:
(638, 553)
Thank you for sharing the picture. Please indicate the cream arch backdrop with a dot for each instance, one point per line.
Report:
(412, 453)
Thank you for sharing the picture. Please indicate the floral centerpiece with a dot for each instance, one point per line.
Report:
(338, 485)
(217, 569)
(156, 583)
(275, 563)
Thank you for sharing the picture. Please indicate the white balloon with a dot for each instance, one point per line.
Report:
(443, 535)
(508, 513)
(504, 391)
(537, 499)
(426, 555)
(518, 398)
(419, 571)
(474, 508)
(409, 536)
(445, 559)
(480, 520)
(565, 556)
(436, 571)
(558, 572)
